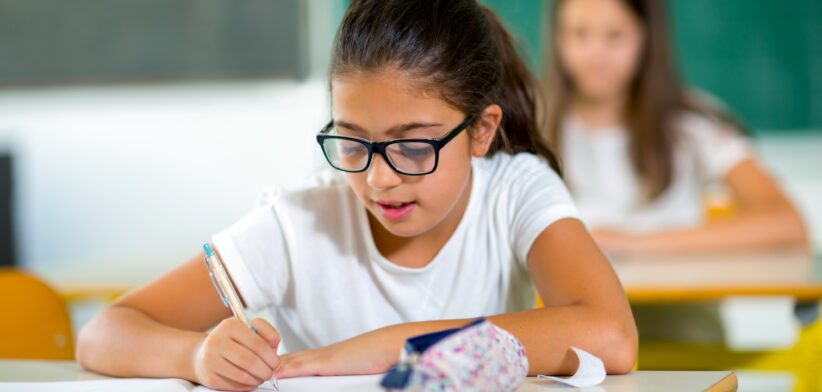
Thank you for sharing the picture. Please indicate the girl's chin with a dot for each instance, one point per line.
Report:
(406, 228)
(401, 229)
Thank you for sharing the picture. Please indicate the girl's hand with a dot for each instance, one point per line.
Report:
(233, 357)
(370, 353)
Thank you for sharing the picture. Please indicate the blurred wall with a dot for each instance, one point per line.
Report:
(117, 182)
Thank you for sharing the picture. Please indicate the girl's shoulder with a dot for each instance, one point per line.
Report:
(705, 130)
(322, 187)
(516, 165)
(716, 145)
(505, 172)
(706, 118)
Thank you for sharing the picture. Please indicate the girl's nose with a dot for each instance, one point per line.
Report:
(380, 175)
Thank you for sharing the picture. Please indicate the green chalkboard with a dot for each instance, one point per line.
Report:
(82, 41)
(526, 21)
(763, 58)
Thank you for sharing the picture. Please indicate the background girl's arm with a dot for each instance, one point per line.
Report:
(585, 307)
(159, 331)
(763, 217)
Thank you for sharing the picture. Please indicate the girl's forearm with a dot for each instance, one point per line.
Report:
(547, 335)
(125, 342)
(745, 231)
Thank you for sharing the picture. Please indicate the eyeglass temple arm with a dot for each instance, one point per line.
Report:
(451, 135)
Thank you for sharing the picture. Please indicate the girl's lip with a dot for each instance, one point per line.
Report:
(390, 202)
(394, 213)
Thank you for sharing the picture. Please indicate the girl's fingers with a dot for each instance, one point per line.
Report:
(267, 332)
(233, 372)
(257, 345)
(222, 382)
(248, 362)
(222, 374)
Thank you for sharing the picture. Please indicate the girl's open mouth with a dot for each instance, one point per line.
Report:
(394, 210)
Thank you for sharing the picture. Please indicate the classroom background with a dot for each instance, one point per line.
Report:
(131, 131)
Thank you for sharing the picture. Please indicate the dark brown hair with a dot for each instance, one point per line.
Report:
(456, 48)
(656, 98)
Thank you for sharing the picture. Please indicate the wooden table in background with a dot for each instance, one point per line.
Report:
(705, 277)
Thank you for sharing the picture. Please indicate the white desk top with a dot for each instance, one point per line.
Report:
(18, 371)
(689, 277)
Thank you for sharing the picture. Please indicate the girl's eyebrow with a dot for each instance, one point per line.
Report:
(397, 129)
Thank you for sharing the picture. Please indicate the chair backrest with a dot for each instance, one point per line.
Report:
(34, 323)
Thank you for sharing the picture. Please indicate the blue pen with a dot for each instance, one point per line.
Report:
(219, 277)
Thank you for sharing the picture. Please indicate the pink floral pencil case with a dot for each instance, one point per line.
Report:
(477, 357)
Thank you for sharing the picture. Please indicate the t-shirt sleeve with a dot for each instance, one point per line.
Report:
(538, 199)
(254, 251)
(718, 148)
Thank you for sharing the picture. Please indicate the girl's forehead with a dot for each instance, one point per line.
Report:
(380, 86)
(611, 13)
(386, 97)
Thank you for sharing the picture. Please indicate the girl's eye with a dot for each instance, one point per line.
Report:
(353, 149)
(614, 36)
(580, 34)
(418, 152)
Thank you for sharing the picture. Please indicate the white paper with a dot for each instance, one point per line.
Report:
(336, 383)
(591, 371)
(115, 384)
(329, 383)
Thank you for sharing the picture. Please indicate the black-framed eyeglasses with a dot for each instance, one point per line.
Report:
(411, 157)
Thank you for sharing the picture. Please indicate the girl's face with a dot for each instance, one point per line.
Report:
(599, 44)
(385, 106)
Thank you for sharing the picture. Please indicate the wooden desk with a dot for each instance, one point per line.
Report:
(705, 277)
(719, 381)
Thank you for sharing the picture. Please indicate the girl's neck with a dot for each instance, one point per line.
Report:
(600, 113)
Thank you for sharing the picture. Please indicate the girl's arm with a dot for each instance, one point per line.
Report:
(585, 307)
(764, 217)
(159, 331)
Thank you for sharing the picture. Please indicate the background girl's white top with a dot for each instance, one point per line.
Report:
(307, 254)
(608, 193)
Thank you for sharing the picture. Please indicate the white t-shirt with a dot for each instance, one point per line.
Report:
(308, 255)
(598, 170)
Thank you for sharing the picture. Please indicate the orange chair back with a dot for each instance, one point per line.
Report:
(34, 323)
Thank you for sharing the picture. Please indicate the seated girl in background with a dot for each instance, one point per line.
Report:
(639, 151)
(442, 206)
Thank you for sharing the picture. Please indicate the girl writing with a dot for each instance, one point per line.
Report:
(442, 204)
(639, 152)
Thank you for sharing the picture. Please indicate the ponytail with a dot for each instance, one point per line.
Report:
(457, 48)
(520, 130)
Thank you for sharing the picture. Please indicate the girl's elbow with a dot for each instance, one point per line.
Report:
(796, 233)
(621, 348)
(84, 350)
(802, 239)
(622, 359)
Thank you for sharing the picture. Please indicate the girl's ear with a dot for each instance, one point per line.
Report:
(486, 128)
